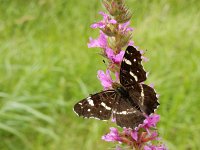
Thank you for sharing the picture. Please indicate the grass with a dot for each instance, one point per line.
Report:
(46, 67)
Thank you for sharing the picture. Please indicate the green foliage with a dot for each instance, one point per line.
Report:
(46, 67)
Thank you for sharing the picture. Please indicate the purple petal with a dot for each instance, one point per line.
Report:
(118, 58)
(147, 147)
(125, 27)
(151, 121)
(112, 21)
(113, 131)
(98, 25)
(102, 40)
(126, 131)
(134, 135)
(131, 43)
(151, 85)
(145, 59)
(141, 52)
(110, 54)
(105, 16)
(118, 148)
(105, 78)
(112, 136)
(114, 58)
(93, 43)
(154, 134)
(126, 24)
(99, 42)
(152, 147)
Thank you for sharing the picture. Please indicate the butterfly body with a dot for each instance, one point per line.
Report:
(129, 101)
(122, 91)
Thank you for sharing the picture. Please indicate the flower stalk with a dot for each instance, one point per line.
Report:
(115, 34)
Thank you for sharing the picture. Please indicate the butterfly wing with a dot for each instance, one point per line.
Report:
(127, 115)
(98, 106)
(132, 74)
(132, 71)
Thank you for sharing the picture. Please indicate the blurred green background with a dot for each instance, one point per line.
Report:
(46, 67)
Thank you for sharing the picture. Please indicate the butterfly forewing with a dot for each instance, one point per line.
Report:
(97, 106)
(132, 71)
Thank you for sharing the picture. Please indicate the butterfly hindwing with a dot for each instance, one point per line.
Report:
(145, 97)
(149, 99)
(132, 71)
(97, 106)
(128, 115)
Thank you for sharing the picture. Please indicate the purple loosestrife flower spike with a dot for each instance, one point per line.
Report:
(115, 34)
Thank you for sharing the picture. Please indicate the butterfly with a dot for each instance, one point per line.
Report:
(129, 102)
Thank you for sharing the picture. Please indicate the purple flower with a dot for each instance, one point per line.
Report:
(109, 53)
(114, 58)
(152, 147)
(131, 133)
(105, 78)
(151, 121)
(145, 59)
(141, 52)
(100, 42)
(125, 27)
(131, 43)
(134, 135)
(118, 148)
(106, 20)
(118, 58)
(151, 85)
(112, 136)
